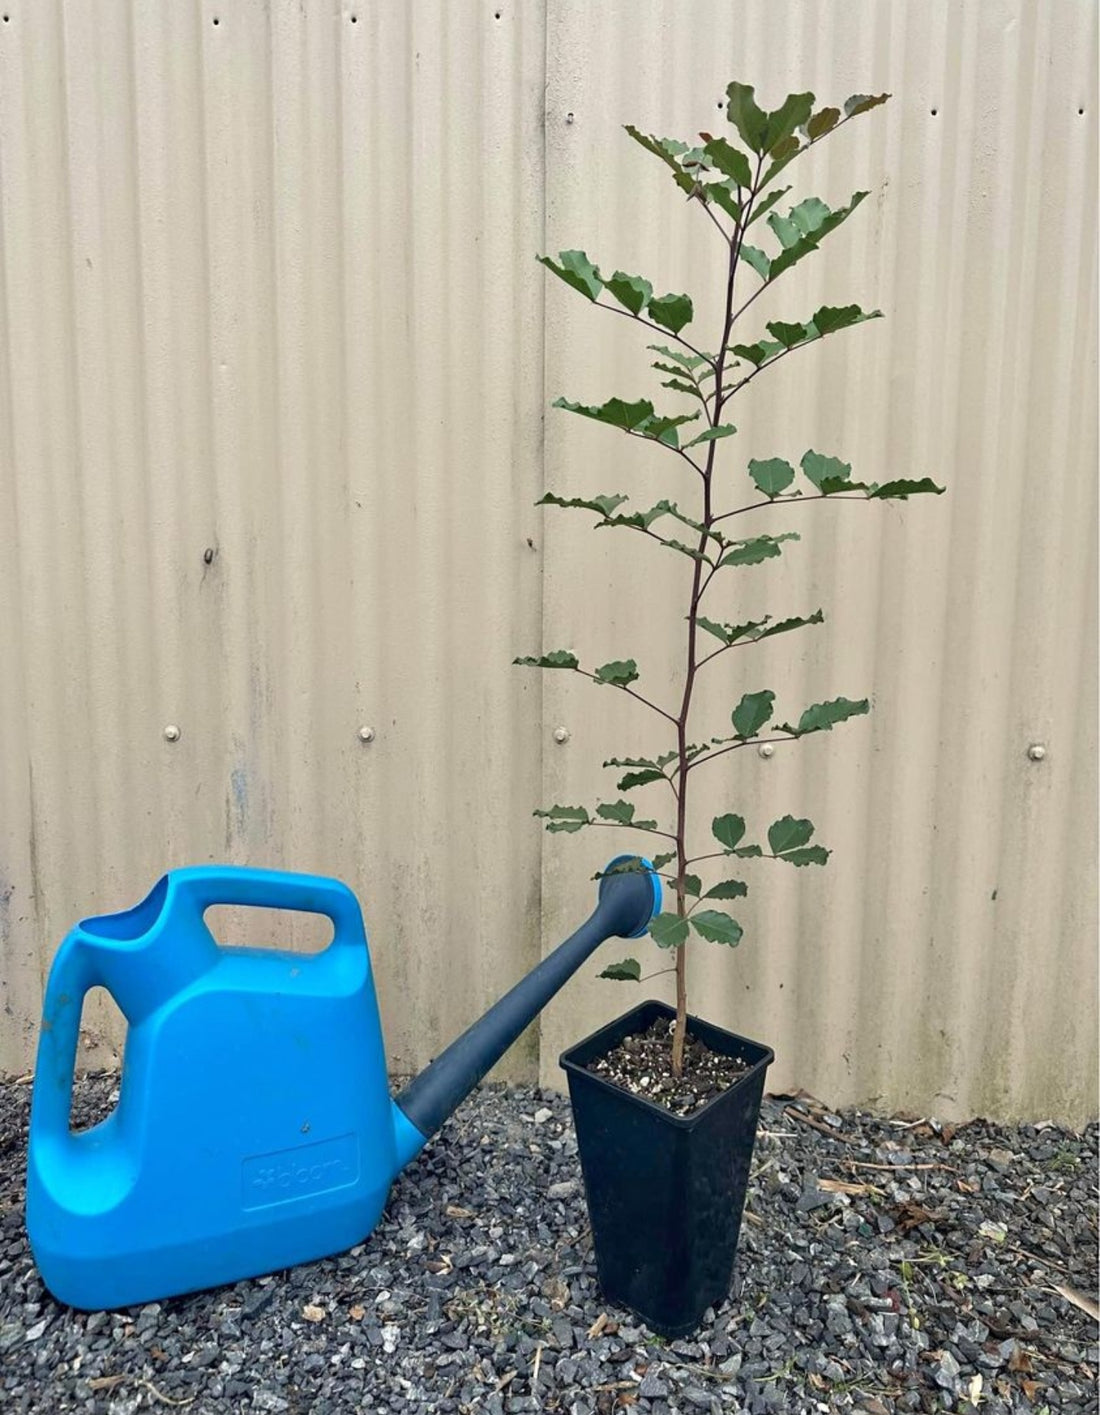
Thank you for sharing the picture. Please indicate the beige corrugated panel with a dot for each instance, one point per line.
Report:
(273, 367)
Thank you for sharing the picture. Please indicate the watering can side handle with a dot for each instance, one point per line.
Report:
(76, 968)
(200, 887)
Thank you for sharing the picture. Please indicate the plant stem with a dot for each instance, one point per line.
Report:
(697, 586)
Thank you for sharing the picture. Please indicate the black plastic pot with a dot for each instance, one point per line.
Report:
(665, 1192)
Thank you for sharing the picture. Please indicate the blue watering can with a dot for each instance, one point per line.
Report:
(254, 1128)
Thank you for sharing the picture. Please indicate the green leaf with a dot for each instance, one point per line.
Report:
(712, 434)
(691, 389)
(767, 204)
(759, 548)
(692, 885)
(747, 852)
(618, 673)
(639, 778)
(716, 927)
(728, 889)
(621, 811)
(822, 122)
(615, 412)
(565, 818)
(660, 861)
(662, 429)
(810, 855)
(790, 335)
(729, 161)
(632, 291)
(728, 830)
(781, 154)
(863, 103)
(752, 712)
(830, 318)
(788, 833)
(758, 260)
(661, 147)
(771, 476)
(749, 120)
(668, 930)
(628, 971)
(783, 626)
(758, 353)
(688, 361)
(558, 658)
(730, 633)
(576, 270)
(671, 312)
(902, 490)
(721, 193)
(804, 227)
(819, 468)
(792, 113)
(821, 717)
(604, 505)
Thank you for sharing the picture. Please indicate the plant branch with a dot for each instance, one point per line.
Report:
(787, 501)
(627, 825)
(692, 463)
(665, 333)
(748, 742)
(623, 687)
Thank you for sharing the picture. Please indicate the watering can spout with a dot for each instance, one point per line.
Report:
(629, 897)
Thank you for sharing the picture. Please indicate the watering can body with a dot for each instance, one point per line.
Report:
(254, 1128)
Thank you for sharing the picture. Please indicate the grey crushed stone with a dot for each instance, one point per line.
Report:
(477, 1292)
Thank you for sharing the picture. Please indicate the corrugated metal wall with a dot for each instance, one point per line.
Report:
(274, 361)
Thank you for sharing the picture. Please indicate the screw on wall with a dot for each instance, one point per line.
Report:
(766, 750)
(561, 735)
(366, 734)
(1036, 752)
(171, 733)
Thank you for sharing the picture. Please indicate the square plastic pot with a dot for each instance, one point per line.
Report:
(665, 1192)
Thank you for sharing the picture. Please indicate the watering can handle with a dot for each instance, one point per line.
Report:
(79, 966)
(200, 887)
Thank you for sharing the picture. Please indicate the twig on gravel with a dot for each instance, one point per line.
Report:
(96, 1383)
(866, 1164)
(821, 1126)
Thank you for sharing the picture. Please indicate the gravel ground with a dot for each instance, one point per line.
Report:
(885, 1266)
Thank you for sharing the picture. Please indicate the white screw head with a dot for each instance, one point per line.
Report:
(1036, 751)
(366, 734)
(561, 734)
(766, 750)
(171, 733)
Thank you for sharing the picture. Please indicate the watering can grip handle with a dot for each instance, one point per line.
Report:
(76, 969)
(203, 886)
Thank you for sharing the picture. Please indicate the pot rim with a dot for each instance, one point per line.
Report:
(684, 1122)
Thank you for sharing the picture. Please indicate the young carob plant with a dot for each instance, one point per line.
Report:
(733, 183)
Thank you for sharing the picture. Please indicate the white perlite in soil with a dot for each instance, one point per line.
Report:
(885, 1266)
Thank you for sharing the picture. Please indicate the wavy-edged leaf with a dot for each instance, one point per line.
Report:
(616, 412)
(660, 861)
(691, 389)
(642, 520)
(766, 205)
(620, 811)
(805, 226)
(712, 434)
(751, 713)
(790, 335)
(758, 260)
(822, 717)
(750, 120)
(810, 855)
(728, 830)
(730, 633)
(557, 658)
(565, 818)
(788, 834)
(688, 361)
(783, 152)
(728, 889)
(664, 148)
(722, 193)
(576, 270)
(756, 549)
(692, 885)
(829, 318)
(772, 475)
(902, 490)
(730, 161)
(863, 103)
(747, 852)
(618, 673)
(822, 122)
(631, 291)
(819, 469)
(603, 505)
(716, 927)
(628, 971)
(671, 312)
(759, 353)
(668, 930)
(639, 778)
(792, 113)
(663, 429)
